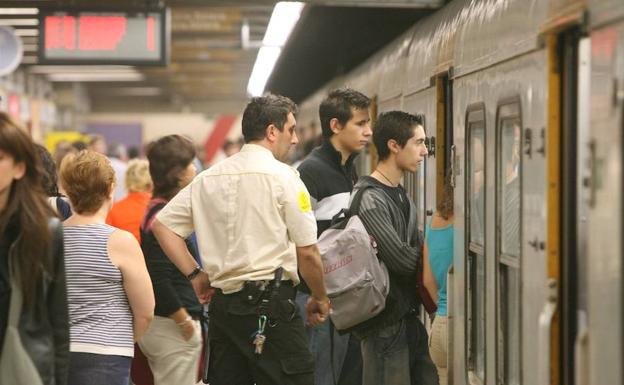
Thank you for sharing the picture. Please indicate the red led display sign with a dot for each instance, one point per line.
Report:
(87, 37)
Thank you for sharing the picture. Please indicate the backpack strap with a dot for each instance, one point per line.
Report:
(353, 208)
(150, 214)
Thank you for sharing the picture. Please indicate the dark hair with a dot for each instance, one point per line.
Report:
(168, 157)
(263, 111)
(338, 105)
(27, 208)
(49, 177)
(397, 125)
(133, 152)
(79, 145)
(445, 205)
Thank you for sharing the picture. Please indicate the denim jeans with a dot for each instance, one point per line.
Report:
(347, 353)
(398, 355)
(98, 369)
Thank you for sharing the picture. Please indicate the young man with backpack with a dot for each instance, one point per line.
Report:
(329, 175)
(394, 342)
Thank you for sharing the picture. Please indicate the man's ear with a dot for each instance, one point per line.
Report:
(271, 132)
(334, 125)
(393, 146)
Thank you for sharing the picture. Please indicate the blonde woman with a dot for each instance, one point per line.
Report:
(109, 292)
(127, 213)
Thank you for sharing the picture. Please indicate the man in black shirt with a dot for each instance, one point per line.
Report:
(329, 174)
(390, 217)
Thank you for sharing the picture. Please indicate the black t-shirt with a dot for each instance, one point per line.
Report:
(399, 196)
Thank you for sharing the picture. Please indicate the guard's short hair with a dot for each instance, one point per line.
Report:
(87, 178)
(397, 125)
(263, 111)
(138, 177)
(338, 105)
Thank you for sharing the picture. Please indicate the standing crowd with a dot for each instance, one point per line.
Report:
(224, 262)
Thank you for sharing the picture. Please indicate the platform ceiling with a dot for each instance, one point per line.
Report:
(209, 67)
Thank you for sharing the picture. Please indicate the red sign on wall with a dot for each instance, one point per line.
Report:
(100, 37)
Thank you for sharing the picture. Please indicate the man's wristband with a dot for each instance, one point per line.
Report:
(194, 273)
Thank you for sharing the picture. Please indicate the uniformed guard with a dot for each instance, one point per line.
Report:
(254, 223)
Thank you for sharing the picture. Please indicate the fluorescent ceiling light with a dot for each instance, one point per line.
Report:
(283, 19)
(26, 32)
(19, 11)
(267, 57)
(50, 69)
(19, 22)
(96, 77)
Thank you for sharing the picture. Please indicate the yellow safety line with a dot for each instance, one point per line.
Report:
(553, 157)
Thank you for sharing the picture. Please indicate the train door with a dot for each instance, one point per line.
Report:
(574, 101)
(421, 185)
(605, 230)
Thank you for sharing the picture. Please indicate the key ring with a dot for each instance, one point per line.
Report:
(262, 320)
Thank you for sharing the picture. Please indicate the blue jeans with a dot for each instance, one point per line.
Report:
(98, 369)
(398, 355)
(347, 353)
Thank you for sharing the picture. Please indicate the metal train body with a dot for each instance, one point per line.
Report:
(548, 77)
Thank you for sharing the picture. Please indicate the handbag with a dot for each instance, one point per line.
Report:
(16, 366)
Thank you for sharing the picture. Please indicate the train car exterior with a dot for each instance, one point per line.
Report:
(525, 101)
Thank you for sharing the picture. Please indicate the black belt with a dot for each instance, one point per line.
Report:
(257, 289)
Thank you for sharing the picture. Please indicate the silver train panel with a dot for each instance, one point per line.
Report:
(523, 78)
(603, 12)
(393, 67)
(605, 216)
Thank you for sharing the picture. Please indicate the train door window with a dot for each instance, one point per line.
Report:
(508, 242)
(475, 123)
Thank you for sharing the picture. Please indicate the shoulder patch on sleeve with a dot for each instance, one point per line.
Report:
(304, 202)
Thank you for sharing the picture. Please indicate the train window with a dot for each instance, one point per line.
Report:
(508, 242)
(476, 257)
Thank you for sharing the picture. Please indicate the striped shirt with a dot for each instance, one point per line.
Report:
(100, 319)
(399, 247)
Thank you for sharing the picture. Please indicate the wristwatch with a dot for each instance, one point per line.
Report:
(194, 273)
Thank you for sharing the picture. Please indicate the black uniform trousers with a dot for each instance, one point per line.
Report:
(285, 359)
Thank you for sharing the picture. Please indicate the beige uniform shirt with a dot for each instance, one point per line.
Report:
(248, 212)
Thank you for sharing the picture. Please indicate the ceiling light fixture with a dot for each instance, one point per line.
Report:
(19, 11)
(96, 77)
(283, 20)
(20, 22)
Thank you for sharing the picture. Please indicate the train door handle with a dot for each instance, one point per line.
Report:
(581, 354)
(528, 142)
(545, 323)
(542, 150)
(430, 142)
(454, 165)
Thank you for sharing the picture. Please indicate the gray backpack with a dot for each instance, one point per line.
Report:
(357, 281)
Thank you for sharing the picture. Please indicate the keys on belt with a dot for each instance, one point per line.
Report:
(258, 338)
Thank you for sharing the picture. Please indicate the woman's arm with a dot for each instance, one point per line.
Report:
(126, 254)
(428, 278)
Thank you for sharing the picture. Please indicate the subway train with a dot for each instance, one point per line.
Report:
(524, 110)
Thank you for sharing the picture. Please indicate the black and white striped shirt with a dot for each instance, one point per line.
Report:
(100, 318)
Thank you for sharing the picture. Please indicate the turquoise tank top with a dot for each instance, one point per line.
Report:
(440, 245)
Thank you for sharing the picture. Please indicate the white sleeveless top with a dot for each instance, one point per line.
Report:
(100, 319)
